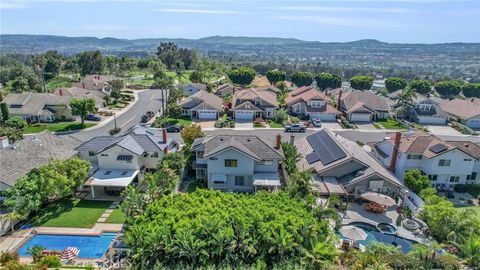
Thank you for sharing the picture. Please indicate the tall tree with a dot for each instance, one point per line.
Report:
(53, 64)
(275, 76)
(302, 78)
(448, 89)
(82, 107)
(168, 53)
(90, 62)
(395, 83)
(190, 133)
(361, 82)
(328, 81)
(420, 86)
(242, 76)
(471, 90)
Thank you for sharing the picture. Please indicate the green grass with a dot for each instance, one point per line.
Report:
(57, 82)
(389, 124)
(143, 82)
(184, 121)
(474, 208)
(56, 127)
(275, 124)
(256, 125)
(73, 213)
(116, 217)
(185, 77)
(377, 126)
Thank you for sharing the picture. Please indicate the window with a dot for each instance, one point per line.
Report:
(412, 156)
(239, 181)
(213, 158)
(433, 177)
(91, 153)
(104, 155)
(316, 103)
(218, 182)
(444, 163)
(200, 154)
(201, 173)
(231, 163)
(472, 176)
(154, 155)
(454, 179)
(108, 172)
(467, 159)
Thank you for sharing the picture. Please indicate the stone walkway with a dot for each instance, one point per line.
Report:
(108, 212)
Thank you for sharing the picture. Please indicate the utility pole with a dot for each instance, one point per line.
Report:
(115, 120)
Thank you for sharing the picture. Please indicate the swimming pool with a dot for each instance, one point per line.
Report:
(91, 247)
(373, 234)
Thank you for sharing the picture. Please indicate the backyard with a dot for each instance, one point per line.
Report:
(388, 124)
(116, 217)
(56, 127)
(75, 213)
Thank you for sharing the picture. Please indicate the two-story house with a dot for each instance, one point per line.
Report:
(342, 167)
(239, 163)
(426, 110)
(445, 163)
(307, 101)
(97, 82)
(467, 111)
(119, 161)
(251, 103)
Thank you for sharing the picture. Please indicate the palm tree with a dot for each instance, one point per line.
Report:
(35, 251)
(470, 250)
(319, 252)
(405, 98)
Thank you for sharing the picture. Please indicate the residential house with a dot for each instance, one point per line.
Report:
(192, 88)
(342, 167)
(270, 88)
(446, 164)
(202, 105)
(473, 150)
(97, 82)
(308, 102)
(120, 161)
(467, 111)
(33, 151)
(81, 93)
(251, 103)
(363, 106)
(426, 110)
(239, 163)
(39, 107)
(226, 90)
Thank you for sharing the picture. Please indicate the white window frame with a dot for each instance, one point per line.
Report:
(444, 163)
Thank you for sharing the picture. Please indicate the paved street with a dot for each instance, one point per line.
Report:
(148, 100)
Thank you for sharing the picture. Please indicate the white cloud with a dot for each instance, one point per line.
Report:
(198, 11)
(342, 21)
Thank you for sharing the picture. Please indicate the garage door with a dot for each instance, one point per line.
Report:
(474, 123)
(432, 120)
(360, 117)
(207, 114)
(244, 115)
(323, 116)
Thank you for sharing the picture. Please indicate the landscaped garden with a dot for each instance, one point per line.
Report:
(56, 127)
(170, 121)
(274, 123)
(388, 124)
(116, 217)
(73, 213)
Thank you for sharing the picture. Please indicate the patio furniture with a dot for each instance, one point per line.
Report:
(353, 233)
(379, 198)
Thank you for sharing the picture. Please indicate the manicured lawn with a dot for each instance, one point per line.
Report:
(116, 217)
(275, 124)
(389, 124)
(184, 121)
(56, 127)
(185, 77)
(73, 213)
(57, 82)
(255, 125)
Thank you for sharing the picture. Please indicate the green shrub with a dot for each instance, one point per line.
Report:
(6, 257)
(294, 120)
(50, 261)
(114, 131)
(447, 262)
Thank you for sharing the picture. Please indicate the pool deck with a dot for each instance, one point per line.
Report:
(357, 213)
(97, 229)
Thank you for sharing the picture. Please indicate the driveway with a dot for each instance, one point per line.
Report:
(366, 126)
(331, 125)
(243, 124)
(205, 123)
(443, 130)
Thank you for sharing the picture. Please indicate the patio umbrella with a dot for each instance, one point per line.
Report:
(379, 198)
(353, 233)
(69, 253)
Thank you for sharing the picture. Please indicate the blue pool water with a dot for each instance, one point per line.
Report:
(91, 247)
(375, 235)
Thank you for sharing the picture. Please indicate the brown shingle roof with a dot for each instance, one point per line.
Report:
(251, 94)
(464, 109)
(202, 97)
(370, 101)
(305, 93)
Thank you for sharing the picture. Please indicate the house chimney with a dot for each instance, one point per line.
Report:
(83, 85)
(4, 143)
(339, 98)
(292, 139)
(164, 135)
(396, 146)
(278, 141)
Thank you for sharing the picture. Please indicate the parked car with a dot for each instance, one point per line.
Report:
(93, 117)
(295, 128)
(147, 116)
(174, 128)
(317, 122)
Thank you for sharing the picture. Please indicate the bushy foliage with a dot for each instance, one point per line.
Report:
(275, 76)
(415, 180)
(302, 78)
(420, 86)
(448, 88)
(242, 75)
(212, 227)
(361, 82)
(50, 261)
(57, 179)
(328, 80)
(190, 133)
(281, 116)
(395, 83)
(16, 122)
(12, 134)
(174, 110)
(471, 90)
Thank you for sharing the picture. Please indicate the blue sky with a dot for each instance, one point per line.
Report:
(409, 21)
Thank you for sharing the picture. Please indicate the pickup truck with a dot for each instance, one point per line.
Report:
(295, 128)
